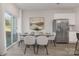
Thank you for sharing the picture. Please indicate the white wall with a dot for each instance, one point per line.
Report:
(48, 15)
(11, 8)
(2, 45)
(19, 21)
(70, 16)
(77, 19)
(48, 20)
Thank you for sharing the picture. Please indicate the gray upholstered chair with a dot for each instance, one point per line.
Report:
(20, 38)
(29, 41)
(52, 38)
(42, 41)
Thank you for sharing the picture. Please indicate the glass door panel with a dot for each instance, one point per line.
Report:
(8, 29)
(14, 30)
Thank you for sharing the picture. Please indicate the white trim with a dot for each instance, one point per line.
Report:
(5, 52)
(11, 30)
(12, 45)
(4, 32)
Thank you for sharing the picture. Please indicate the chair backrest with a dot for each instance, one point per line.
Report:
(77, 34)
(42, 40)
(29, 40)
(32, 33)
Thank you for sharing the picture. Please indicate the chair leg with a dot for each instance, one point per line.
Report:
(19, 43)
(76, 47)
(22, 41)
(54, 43)
(25, 49)
(51, 41)
(37, 48)
(46, 49)
(34, 48)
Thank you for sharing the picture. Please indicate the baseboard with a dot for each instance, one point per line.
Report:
(62, 43)
(72, 42)
(4, 53)
(12, 45)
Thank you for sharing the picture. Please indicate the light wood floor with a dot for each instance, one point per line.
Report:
(59, 50)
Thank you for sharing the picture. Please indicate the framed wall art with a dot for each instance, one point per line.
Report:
(37, 23)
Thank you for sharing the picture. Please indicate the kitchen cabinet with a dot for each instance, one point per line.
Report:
(69, 16)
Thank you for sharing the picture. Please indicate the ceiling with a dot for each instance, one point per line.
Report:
(46, 6)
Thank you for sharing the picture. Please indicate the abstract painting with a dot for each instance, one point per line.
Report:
(37, 23)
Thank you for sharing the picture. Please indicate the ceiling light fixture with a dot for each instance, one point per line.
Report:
(57, 3)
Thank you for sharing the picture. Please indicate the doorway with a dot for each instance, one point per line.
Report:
(10, 29)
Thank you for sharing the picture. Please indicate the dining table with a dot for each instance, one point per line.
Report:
(36, 35)
(24, 35)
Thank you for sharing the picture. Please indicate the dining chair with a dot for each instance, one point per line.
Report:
(42, 41)
(29, 41)
(52, 38)
(20, 39)
(76, 46)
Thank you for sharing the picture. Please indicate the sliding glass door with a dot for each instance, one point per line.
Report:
(14, 32)
(10, 29)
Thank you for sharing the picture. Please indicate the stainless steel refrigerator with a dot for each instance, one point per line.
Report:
(61, 27)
